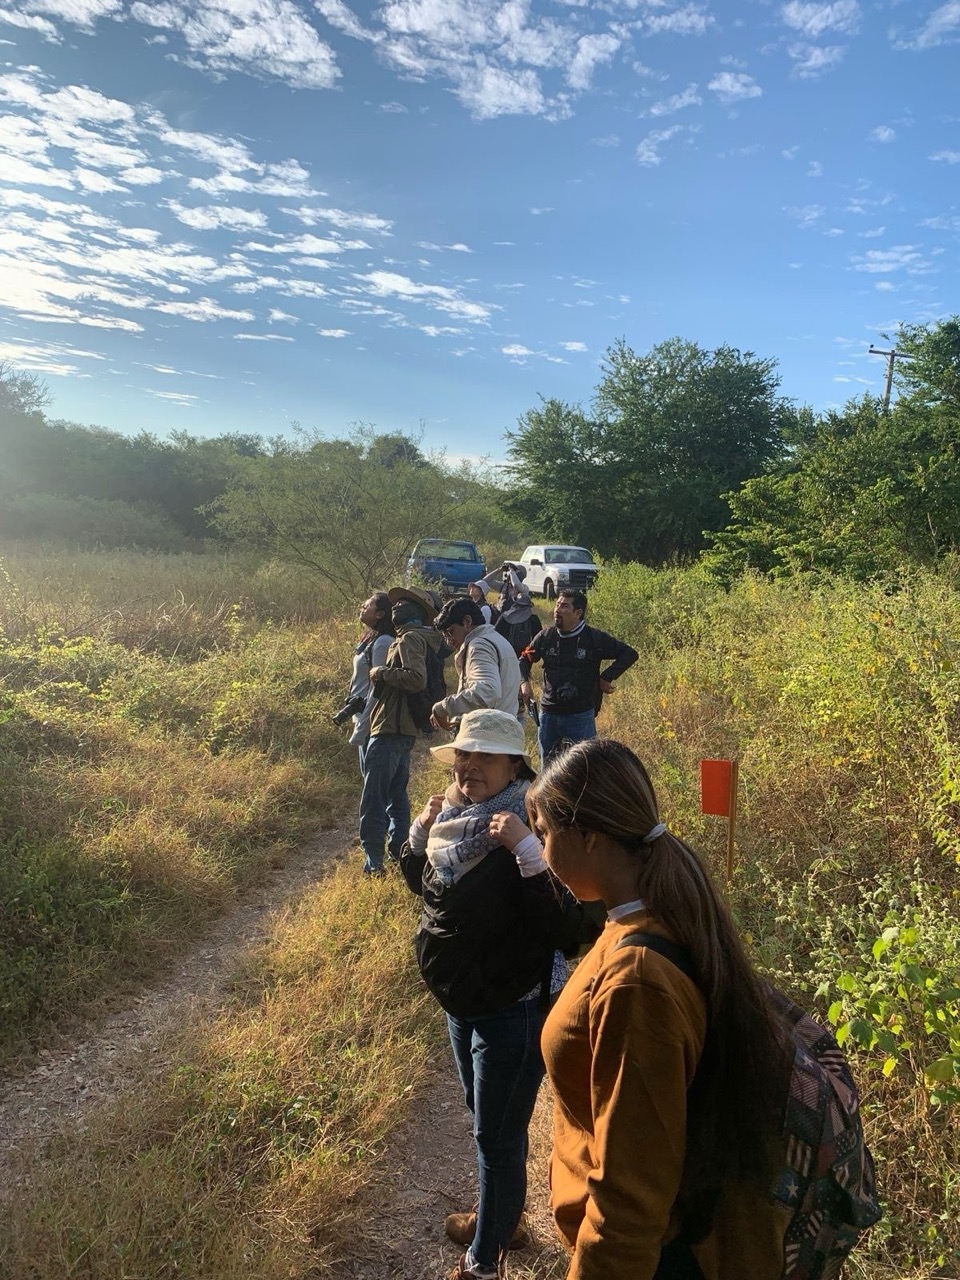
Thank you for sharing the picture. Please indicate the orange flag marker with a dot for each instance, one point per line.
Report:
(718, 795)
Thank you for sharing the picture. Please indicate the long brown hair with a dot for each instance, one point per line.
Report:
(735, 1104)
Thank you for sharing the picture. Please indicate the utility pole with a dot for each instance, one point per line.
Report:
(892, 356)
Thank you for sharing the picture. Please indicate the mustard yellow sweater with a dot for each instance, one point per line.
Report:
(621, 1047)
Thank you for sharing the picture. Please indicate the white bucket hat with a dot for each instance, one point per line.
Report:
(497, 733)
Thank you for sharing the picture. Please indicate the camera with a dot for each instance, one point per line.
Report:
(350, 708)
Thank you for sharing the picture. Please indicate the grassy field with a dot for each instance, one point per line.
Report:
(148, 775)
(164, 736)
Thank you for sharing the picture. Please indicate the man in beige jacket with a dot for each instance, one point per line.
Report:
(487, 667)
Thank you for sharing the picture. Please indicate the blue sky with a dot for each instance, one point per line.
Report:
(227, 215)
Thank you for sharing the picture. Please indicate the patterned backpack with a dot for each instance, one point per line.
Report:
(827, 1182)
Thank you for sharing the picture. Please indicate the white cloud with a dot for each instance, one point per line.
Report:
(175, 397)
(814, 169)
(287, 178)
(592, 51)
(488, 92)
(806, 215)
(688, 97)
(689, 20)
(520, 354)
(342, 18)
(545, 209)
(82, 13)
(648, 151)
(203, 310)
(334, 333)
(948, 157)
(901, 257)
(261, 337)
(608, 140)
(259, 37)
(390, 284)
(444, 248)
(342, 219)
(885, 286)
(734, 86)
(574, 346)
(55, 359)
(213, 217)
(883, 133)
(810, 61)
(812, 19)
(30, 22)
(942, 27)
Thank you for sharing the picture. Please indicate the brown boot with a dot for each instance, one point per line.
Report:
(462, 1227)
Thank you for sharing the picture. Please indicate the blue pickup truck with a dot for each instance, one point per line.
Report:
(454, 565)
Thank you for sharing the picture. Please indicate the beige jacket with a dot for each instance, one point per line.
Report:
(489, 675)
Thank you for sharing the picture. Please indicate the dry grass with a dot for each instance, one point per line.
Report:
(246, 1159)
(840, 702)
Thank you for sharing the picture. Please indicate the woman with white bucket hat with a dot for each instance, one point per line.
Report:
(490, 945)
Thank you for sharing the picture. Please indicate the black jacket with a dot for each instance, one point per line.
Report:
(571, 667)
(488, 940)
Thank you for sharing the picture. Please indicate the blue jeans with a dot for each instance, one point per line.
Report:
(555, 729)
(500, 1067)
(384, 803)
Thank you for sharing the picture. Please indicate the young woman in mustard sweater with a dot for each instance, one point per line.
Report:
(668, 1090)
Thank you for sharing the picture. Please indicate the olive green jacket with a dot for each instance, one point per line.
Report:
(405, 671)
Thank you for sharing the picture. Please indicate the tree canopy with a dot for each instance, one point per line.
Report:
(864, 491)
(643, 476)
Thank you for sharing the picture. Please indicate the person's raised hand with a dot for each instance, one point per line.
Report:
(429, 812)
(508, 829)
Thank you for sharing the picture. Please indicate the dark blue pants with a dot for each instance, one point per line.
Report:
(556, 729)
(384, 803)
(500, 1067)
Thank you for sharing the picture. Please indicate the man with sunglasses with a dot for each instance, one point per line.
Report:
(487, 667)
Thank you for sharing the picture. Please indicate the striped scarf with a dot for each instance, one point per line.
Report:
(460, 836)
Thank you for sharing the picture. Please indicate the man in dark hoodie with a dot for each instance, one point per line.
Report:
(384, 804)
(573, 685)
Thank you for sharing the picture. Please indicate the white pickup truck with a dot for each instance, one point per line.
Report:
(552, 569)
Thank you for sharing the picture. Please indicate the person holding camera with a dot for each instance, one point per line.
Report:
(517, 622)
(371, 651)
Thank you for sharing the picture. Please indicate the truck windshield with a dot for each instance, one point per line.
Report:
(447, 551)
(567, 555)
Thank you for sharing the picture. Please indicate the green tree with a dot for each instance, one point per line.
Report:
(865, 491)
(671, 432)
(346, 509)
(561, 473)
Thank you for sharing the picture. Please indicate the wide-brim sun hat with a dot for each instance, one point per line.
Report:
(497, 733)
(415, 596)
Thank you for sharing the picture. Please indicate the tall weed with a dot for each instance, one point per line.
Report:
(842, 704)
(142, 783)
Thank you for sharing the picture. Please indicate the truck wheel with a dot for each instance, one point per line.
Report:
(549, 590)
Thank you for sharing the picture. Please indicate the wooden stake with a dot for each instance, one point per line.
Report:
(732, 817)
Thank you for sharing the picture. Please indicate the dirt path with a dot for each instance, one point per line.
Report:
(429, 1161)
(70, 1081)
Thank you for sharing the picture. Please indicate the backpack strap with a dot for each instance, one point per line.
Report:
(677, 954)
